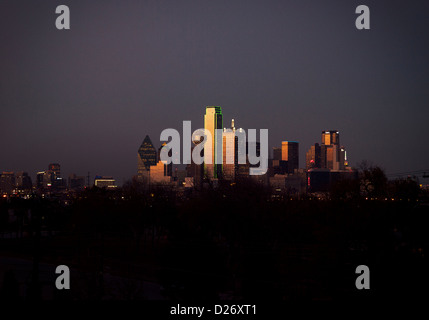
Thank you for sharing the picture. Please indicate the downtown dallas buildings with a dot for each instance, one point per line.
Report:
(329, 155)
(224, 148)
(327, 163)
(324, 163)
(150, 168)
(213, 120)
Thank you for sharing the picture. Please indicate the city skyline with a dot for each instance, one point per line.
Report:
(86, 97)
(330, 154)
(325, 164)
(206, 153)
(148, 156)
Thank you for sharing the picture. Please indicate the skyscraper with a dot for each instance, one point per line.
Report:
(146, 157)
(55, 170)
(331, 137)
(232, 138)
(213, 120)
(54, 174)
(290, 153)
(7, 182)
(229, 152)
(312, 157)
(45, 179)
(160, 173)
(40, 179)
(23, 181)
(330, 150)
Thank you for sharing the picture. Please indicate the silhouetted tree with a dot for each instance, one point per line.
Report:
(405, 189)
(373, 181)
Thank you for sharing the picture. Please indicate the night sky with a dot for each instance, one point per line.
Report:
(86, 97)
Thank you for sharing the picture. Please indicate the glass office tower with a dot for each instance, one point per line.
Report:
(330, 150)
(290, 153)
(213, 120)
(146, 156)
(313, 158)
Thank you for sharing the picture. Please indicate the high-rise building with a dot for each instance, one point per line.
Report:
(7, 182)
(147, 156)
(39, 179)
(23, 181)
(330, 150)
(45, 179)
(331, 137)
(313, 157)
(213, 120)
(230, 152)
(53, 178)
(55, 169)
(233, 138)
(290, 153)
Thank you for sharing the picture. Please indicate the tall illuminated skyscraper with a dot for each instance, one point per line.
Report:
(290, 153)
(232, 152)
(330, 150)
(229, 152)
(213, 120)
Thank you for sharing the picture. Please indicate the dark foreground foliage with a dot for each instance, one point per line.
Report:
(234, 242)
